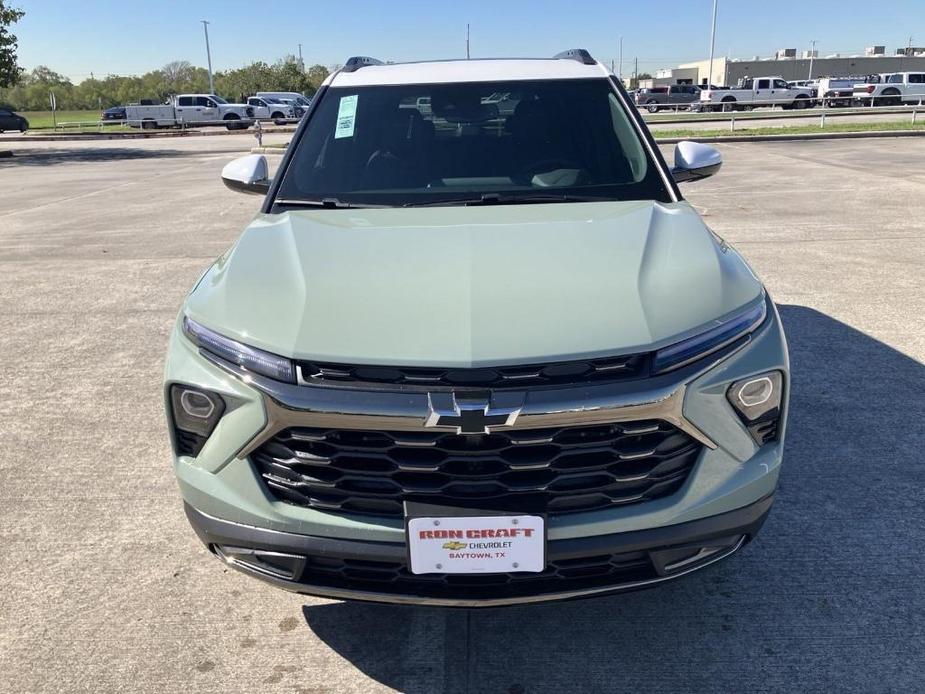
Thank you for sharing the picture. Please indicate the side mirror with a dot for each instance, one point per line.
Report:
(250, 174)
(693, 161)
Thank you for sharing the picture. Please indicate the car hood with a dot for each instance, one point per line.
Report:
(472, 286)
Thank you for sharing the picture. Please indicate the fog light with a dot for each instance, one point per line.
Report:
(195, 404)
(757, 402)
(195, 414)
(755, 392)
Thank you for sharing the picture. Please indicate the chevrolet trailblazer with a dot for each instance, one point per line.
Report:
(476, 356)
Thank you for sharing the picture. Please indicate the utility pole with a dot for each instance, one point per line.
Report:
(620, 73)
(635, 82)
(205, 28)
(712, 45)
(301, 62)
(467, 41)
(812, 52)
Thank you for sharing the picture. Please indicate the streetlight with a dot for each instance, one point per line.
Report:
(205, 28)
(620, 72)
(812, 53)
(712, 45)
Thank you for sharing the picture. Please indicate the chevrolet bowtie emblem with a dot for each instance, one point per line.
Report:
(470, 415)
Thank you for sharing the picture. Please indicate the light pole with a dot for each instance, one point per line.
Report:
(712, 45)
(812, 53)
(205, 28)
(301, 62)
(620, 72)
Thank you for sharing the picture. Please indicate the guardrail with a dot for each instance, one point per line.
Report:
(776, 113)
(778, 110)
(151, 124)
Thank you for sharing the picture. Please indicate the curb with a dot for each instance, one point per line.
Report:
(793, 138)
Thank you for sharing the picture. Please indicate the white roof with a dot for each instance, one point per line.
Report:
(467, 71)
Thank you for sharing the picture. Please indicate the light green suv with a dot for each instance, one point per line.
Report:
(476, 349)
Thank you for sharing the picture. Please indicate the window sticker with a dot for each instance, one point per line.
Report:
(346, 117)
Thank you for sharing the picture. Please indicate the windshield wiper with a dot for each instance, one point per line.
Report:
(497, 199)
(328, 203)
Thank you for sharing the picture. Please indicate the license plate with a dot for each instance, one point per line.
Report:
(476, 544)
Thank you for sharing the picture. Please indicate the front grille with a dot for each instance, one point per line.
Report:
(555, 470)
(559, 575)
(624, 367)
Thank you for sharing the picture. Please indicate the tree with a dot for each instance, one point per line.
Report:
(9, 70)
(316, 74)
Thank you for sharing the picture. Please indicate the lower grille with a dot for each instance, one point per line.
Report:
(559, 575)
(555, 470)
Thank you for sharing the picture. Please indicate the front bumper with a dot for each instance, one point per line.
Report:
(732, 473)
(578, 568)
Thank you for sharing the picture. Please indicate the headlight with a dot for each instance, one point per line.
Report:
(250, 358)
(684, 352)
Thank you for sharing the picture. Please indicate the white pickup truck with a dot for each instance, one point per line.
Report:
(891, 89)
(753, 93)
(270, 108)
(191, 109)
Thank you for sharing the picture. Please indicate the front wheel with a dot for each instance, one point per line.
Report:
(652, 107)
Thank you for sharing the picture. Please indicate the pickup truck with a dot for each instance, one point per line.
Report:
(837, 91)
(754, 92)
(654, 99)
(891, 89)
(270, 108)
(186, 109)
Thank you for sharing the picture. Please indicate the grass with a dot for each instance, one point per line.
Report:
(792, 130)
(42, 119)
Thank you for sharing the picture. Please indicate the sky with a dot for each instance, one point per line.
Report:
(108, 37)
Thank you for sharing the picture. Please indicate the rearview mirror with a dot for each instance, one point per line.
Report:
(693, 161)
(250, 174)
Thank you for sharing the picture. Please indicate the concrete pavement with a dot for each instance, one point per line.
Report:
(106, 589)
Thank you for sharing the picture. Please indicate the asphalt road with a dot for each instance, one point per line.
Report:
(104, 588)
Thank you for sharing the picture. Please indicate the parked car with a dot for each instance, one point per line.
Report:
(270, 108)
(300, 102)
(191, 109)
(755, 92)
(113, 114)
(457, 356)
(837, 91)
(12, 121)
(654, 99)
(893, 89)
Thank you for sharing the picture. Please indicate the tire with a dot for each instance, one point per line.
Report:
(148, 125)
(652, 106)
(801, 102)
(890, 97)
(277, 116)
(230, 123)
(729, 104)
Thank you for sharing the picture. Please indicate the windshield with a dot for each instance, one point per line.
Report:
(457, 143)
(218, 99)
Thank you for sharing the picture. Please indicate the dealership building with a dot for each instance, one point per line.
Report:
(786, 64)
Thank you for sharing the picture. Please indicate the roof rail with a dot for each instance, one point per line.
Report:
(356, 62)
(579, 54)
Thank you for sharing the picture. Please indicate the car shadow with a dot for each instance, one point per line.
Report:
(827, 598)
(50, 156)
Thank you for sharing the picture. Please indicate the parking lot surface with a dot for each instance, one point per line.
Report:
(106, 589)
